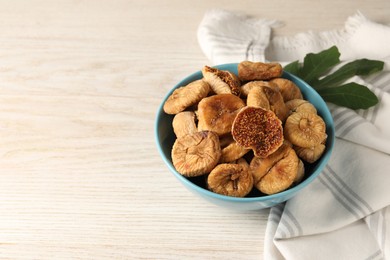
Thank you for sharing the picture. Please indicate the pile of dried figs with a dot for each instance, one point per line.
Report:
(246, 131)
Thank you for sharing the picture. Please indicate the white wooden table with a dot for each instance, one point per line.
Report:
(80, 83)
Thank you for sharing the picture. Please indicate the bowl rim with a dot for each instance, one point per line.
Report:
(286, 193)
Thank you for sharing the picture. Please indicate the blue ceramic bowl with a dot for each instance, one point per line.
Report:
(165, 138)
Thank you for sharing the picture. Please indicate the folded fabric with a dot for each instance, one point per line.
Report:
(226, 37)
(345, 212)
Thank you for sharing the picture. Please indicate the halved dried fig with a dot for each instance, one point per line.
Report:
(222, 81)
(281, 169)
(196, 154)
(184, 123)
(230, 179)
(268, 98)
(258, 129)
(300, 105)
(310, 154)
(288, 89)
(186, 96)
(305, 129)
(216, 113)
(232, 152)
(248, 70)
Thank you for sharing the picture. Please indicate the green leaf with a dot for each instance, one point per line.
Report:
(351, 95)
(293, 67)
(316, 64)
(361, 67)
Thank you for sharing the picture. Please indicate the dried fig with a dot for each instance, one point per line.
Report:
(230, 179)
(300, 105)
(186, 96)
(196, 154)
(277, 172)
(232, 152)
(258, 129)
(216, 113)
(184, 123)
(305, 129)
(259, 167)
(222, 81)
(310, 154)
(268, 98)
(287, 88)
(248, 71)
(257, 98)
(243, 162)
(300, 172)
(257, 83)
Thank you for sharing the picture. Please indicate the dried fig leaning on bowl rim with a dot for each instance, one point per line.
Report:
(216, 113)
(300, 173)
(258, 129)
(184, 123)
(222, 81)
(300, 105)
(305, 129)
(248, 70)
(186, 96)
(310, 154)
(196, 154)
(230, 179)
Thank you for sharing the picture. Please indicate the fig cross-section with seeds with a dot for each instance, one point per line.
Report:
(258, 129)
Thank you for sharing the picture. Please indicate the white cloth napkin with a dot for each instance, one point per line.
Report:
(345, 212)
(227, 37)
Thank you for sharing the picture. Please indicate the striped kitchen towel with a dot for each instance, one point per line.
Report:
(345, 212)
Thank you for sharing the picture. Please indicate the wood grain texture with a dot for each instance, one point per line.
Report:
(80, 84)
